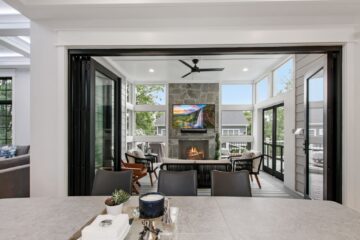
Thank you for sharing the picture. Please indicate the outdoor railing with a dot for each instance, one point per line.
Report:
(279, 156)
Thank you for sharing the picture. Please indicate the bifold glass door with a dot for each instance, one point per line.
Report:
(104, 121)
(273, 140)
(94, 123)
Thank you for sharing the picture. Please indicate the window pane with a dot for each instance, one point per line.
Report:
(283, 77)
(150, 94)
(228, 148)
(5, 89)
(236, 123)
(104, 120)
(236, 94)
(262, 90)
(150, 124)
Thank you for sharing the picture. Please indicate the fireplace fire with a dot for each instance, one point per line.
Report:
(194, 153)
(194, 149)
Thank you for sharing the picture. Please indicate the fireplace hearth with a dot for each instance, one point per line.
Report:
(194, 149)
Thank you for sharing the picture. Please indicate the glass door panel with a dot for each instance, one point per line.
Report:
(268, 139)
(279, 139)
(314, 144)
(273, 140)
(104, 121)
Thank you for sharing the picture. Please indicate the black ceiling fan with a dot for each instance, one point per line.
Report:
(195, 68)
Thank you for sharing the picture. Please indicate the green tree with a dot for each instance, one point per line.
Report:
(248, 117)
(148, 95)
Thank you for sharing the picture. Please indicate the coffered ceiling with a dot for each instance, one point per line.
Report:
(14, 38)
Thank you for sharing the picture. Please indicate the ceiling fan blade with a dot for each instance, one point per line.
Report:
(187, 74)
(211, 69)
(185, 63)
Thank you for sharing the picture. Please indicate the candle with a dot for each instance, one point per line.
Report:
(151, 205)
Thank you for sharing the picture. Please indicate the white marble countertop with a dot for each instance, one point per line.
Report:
(200, 218)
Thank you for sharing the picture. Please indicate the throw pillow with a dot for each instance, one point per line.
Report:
(22, 150)
(139, 154)
(130, 157)
(8, 151)
(247, 155)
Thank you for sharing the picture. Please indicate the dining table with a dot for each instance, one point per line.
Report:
(210, 218)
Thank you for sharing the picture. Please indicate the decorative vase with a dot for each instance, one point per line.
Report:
(114, 210)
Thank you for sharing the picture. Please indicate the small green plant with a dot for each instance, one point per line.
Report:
(118, 197)
(217, 147)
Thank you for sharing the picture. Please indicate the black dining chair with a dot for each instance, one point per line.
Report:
(106, 182)
(235, 184)
(178, 183)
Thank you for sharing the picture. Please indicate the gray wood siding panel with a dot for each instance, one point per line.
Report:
(303, 64)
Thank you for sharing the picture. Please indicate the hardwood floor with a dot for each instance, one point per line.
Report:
(271, 187)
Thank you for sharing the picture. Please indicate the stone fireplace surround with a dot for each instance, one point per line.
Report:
(193, 93)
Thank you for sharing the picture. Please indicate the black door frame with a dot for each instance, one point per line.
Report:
(333, 100)
(272, 170)
(81, 123)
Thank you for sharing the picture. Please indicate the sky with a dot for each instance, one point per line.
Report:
(262, 90)
(316, 87)
(236, 94)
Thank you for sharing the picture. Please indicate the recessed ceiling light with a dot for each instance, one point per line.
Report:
(151, 70)
(245, 69)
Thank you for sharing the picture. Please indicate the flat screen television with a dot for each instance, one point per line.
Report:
(195, 116)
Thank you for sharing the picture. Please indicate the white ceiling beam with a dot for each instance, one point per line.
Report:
(14, 29)
(16, 45)
(14, 62)
(14, 25)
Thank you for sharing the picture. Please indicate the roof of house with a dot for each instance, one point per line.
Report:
(160, 121)
(316, 116)
(233, 118)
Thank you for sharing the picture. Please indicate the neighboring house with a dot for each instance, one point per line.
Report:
(234, 123)
(316, 125)
(316, 136)
(160, 126)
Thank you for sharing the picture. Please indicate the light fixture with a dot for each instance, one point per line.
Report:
(245, 69)
(151, 70)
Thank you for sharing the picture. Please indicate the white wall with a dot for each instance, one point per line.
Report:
(351, 127)
(21, 105)
(48, 167)
(48, 95)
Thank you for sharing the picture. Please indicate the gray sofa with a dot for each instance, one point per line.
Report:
(15, 175)
(203, 168)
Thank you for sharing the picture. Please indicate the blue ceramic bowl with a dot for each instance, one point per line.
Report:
(151, 208)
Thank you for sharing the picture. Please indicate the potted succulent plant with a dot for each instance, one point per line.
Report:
(114, 204)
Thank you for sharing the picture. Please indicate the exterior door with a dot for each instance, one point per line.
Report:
(273, 140)
(314, 135)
